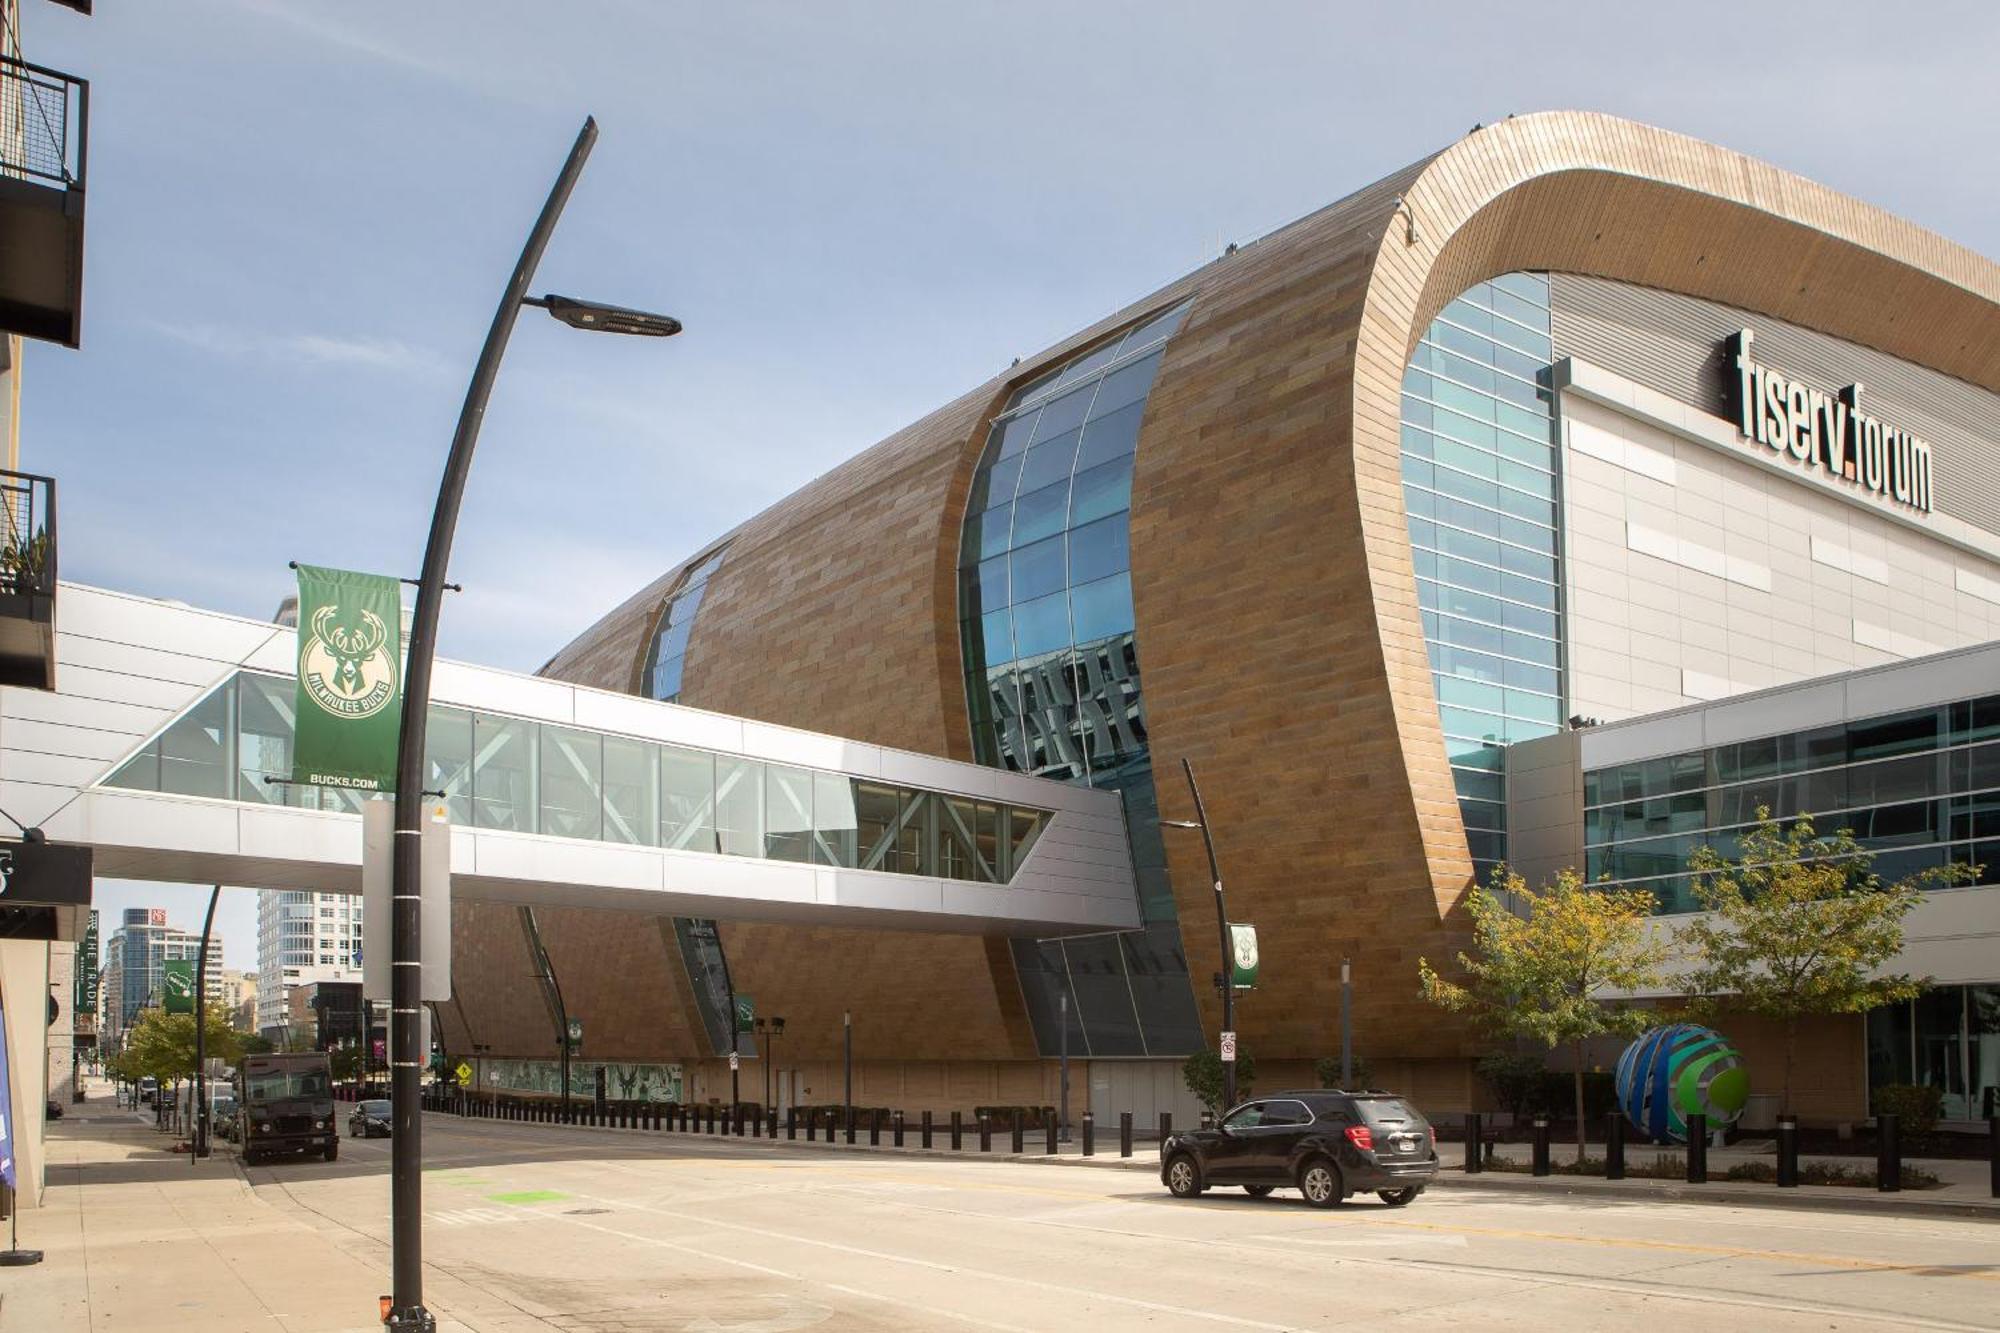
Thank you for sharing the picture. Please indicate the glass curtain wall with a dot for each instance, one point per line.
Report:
(1479, 485)
(1948, 1038)
(1919, 788)
(1045, 604)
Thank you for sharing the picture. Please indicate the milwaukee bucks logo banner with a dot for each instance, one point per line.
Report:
(350, 679)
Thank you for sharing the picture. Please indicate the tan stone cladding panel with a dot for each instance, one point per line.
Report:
(497, 1003)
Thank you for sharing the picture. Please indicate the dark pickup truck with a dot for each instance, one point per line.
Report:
(284, 1104)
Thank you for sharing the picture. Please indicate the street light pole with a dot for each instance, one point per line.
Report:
(198, 1145)
(1222, 978)
(847, 1083)
(406, 1312)
(1346, 1027)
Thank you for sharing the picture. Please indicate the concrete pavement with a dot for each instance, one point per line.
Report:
(537, 1227)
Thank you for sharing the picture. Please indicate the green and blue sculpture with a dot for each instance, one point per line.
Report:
(1676, 1071)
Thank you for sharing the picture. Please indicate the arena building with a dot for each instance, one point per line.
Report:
(1438, 528)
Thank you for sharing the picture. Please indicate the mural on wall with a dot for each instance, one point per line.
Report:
(1673, 1072)
(622, 1082)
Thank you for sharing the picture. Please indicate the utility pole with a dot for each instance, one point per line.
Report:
(847, 1086)
(198, 1146)
(1062, 1048)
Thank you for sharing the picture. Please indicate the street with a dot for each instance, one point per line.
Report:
(533, 1226)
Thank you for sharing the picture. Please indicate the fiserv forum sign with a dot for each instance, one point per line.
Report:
(1825, 433)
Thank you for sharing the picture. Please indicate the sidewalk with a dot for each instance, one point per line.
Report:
(136, 1237)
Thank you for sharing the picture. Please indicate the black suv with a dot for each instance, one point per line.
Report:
(1326, 1143)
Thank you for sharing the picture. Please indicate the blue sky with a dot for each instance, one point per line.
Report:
(301, 214)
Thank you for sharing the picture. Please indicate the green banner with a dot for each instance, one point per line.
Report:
(1242, 955)
(746, 1013)
(350, 679)
(177, 983)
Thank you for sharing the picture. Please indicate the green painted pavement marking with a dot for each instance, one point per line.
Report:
(529, 1196)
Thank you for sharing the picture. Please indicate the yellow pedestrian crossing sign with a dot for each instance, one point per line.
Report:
(464, 1072)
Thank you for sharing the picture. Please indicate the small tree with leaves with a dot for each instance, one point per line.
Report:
(1800, 924)
(162, 1045)
(1202, 1072)
(1543, 961)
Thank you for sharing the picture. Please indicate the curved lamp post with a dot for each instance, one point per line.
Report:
(404, 1310)
(1222, 979)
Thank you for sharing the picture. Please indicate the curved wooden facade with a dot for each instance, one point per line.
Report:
(1276, 607)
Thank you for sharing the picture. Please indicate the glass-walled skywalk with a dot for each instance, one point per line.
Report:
(520, 775)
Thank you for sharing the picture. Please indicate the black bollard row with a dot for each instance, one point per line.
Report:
(1124, 1133)
(1614, 1146)
(1788, 1152)
(896, 1130)
(1541, 1163)
(1089, 1134)
(957, 1132)
(875, 1128)
(1020, 1131)
(926, 1140)
(985, 1132)
(1697, 1132)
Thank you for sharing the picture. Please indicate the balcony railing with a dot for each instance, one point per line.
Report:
(27, 534)
(27, 580)
(44, 129)
(44, 123)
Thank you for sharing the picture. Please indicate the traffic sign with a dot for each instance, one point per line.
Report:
(1229, 1048)
(464, 1072)
(735, 1062)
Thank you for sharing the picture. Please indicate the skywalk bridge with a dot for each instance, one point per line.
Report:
(167, 738)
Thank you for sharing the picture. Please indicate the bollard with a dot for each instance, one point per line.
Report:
(791, 1122)
(757, 1121)
(1888, 1153)
(1697, 1132)
(1614, 1146)
(1541, 1166)
(985, 1131)
(957, 1140)
(1019, 1133)
(1474, 1131)
(875, 1127)
(736, 1115)
(1208, 1120)
(1124, 1133)
(1089, 1134)
(1049, 1132)
(896, 1129)
(1788, 1152)
(847, 1114)
(1166, 1126)
(927, 1129)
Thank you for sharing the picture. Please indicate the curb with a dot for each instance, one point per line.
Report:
(1838, 1198)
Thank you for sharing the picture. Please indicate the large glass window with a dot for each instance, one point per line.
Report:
(1915, 788)
(1052, 680)
(1479, 467)
(668, 650)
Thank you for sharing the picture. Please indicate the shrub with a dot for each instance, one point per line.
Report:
(1202, 1072)
(1327, 1070)
(1004, 1117)
(1762, 1172)
(1916, 1105)
(1520, 1083)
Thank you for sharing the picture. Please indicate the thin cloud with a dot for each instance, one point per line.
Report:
(309, 351)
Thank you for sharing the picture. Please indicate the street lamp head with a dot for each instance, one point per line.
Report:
(777, 1027)
(595, 316)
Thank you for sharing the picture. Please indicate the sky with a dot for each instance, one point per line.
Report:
(301, 213)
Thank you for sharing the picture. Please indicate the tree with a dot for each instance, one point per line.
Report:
(1327, 1070)
(1202, 1072)
(1800, 924)
(162, 1045)
(1543, 971)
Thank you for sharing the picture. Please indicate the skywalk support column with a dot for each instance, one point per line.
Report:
(406, 1311)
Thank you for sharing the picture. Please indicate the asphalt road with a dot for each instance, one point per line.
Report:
(537, 1227)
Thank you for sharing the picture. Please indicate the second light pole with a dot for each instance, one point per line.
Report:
(1223, 981)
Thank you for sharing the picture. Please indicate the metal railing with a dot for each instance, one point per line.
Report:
(44, 123)
(27, 534)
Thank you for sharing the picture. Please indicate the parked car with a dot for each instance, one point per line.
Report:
(1327, 1144)
(368, 1120)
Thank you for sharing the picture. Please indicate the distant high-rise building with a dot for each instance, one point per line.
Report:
(303, 938)
(135, 966)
